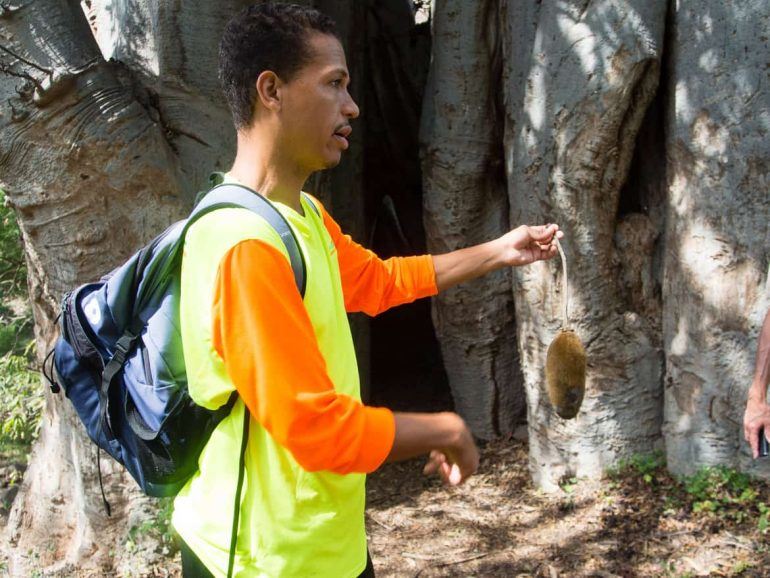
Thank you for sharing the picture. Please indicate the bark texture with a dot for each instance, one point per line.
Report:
(173, 51)
(716, 289)
(465, 203)
(92, 176)
(579, 77)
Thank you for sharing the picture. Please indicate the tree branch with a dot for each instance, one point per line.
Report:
(7, 69)
(25, 61)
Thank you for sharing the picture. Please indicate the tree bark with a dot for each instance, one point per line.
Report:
(716, 289)
(174, 49)
(578, 79)
(92, 175)
(464, 204)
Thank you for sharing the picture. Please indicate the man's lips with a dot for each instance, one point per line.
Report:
(344, 131)
(342, 134)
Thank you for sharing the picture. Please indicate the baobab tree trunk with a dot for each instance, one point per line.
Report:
(579, 77)
(716, 289)
(465, 203)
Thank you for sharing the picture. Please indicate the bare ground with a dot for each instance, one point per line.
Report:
(497, 524)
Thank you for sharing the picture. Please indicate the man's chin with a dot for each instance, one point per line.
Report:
(328, 162)
(333, 162)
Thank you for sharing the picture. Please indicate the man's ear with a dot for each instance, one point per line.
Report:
(269, 90)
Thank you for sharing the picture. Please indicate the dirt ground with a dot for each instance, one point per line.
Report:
(497, 524)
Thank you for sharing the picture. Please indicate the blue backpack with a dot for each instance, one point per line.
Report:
(119, 356)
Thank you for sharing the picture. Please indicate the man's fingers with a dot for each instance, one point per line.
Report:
(543, 233)
(435, 460)
(449, 472)
(446, 470)
(751, 432)
(455, 477)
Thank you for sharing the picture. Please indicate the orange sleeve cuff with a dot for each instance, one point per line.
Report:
(379, 435)
(425, 276)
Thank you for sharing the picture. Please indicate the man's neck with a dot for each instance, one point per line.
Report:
(262, 169)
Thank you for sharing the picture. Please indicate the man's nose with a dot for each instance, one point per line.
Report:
(350, 108)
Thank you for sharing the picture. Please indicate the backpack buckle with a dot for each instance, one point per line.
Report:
(123, 346)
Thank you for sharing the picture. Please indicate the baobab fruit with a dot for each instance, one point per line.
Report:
(565, 373)
(565, 361)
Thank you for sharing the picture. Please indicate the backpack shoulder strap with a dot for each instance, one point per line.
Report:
(311, 201)
(237, 196)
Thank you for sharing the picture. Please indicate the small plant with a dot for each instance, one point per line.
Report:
(646, 466)
(21, 400)
(723, 492)
(159, 527)
(763, 524)
(567, 484)
(21, 396)
(13, 270)
(741, 566)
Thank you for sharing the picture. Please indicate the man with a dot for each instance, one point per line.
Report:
(291, 359)
(757, 409)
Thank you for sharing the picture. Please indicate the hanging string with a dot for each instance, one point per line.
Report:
(565, 285)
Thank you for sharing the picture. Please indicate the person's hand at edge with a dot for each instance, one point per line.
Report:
(757, 416)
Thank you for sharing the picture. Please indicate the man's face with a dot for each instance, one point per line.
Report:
(317, 108)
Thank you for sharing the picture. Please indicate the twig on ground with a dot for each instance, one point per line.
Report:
(383, 524)
(442, 564)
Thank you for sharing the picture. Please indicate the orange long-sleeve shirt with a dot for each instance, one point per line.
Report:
(263, 333)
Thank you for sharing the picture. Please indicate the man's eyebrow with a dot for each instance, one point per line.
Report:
(341, 71)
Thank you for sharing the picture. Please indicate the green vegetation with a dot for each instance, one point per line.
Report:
(715, 494)
(21, 401)
(723, 492)
(646, 466)
(158, 528)
(21, 396)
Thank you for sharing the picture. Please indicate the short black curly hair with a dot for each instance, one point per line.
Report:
(265, 36)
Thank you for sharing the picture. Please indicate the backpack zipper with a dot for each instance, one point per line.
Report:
(146, 360)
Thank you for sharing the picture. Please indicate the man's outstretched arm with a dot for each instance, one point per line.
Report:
(372, 285)
(521, 246)
(757, 409)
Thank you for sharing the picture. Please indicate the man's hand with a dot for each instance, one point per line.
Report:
(525, 244)
(445, 436)
(457, 462)
(757, 416)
